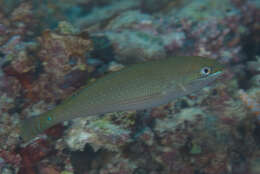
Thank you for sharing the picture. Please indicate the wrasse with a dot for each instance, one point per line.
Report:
(136, 87)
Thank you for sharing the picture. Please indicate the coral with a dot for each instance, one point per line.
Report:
(22, 13)
(62, 48)
(67, 28)
(199, 10)
(10, 157)
(48, 170)
(151, 6)
(118, 165)
(32, 154)
(128, 20)
(254, 163)
(140, 36)
(48, 50)
(59, 56)
(252, 101)
(113, 66)
(100, 133)
(254, 66)
(7, 170)
(140, 46)
(102, 14)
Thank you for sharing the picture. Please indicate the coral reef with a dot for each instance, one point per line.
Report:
(51, 49)
(99, 133)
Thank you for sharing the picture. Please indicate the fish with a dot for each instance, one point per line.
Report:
(136, 87)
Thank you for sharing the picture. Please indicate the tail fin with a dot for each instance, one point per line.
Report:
(28, 129)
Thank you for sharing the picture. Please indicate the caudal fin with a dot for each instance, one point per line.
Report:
(27, 129)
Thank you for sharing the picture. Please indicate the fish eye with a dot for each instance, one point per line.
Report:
(205, 71)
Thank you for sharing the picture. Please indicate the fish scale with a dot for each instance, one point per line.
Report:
(139, 86)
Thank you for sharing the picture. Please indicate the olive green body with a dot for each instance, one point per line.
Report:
(136, 87)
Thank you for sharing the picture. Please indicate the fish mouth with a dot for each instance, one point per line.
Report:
(204, 81)
(212, 77)
(216, 74)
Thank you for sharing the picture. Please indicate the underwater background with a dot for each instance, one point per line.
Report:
(51, 48)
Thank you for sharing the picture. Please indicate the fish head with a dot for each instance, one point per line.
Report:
(200, 71)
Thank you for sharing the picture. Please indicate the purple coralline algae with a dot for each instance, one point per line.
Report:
(49, 50)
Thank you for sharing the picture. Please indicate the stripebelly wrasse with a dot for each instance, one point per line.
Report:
(136, 87)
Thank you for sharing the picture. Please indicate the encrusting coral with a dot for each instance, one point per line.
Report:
(49, 50)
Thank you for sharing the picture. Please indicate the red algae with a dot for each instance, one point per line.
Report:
(55, 131)
(32, 154)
